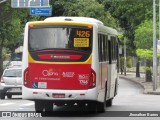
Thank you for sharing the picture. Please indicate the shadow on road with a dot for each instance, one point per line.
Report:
(71, 111)
(69, 114)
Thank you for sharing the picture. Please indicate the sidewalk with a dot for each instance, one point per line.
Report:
(148, 86)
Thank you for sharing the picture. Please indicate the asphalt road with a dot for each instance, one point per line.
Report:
(129, 101)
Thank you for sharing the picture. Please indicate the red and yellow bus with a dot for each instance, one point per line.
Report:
(68, 60)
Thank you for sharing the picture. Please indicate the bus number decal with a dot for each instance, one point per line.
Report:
(83, 33)
(83, 79)
(83, 82)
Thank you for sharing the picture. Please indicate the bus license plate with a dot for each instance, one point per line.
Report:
(55, 95)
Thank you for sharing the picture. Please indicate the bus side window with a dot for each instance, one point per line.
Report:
(113, 48)
(100, 47)
(116, 49)
(112, 42)
(109, 51)
(104, 48)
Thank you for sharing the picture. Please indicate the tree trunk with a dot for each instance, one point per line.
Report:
(121, 71)
(1, 62)
(148, 72)
(137, 68)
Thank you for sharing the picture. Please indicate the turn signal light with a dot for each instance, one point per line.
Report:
(92, 82)
(26, 77)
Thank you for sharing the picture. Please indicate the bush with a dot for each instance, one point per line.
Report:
(128, 62)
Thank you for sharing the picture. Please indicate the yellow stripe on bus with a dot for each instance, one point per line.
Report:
(39, 23)
(31, 60)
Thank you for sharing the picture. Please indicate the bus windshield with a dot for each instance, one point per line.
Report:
(75, 38)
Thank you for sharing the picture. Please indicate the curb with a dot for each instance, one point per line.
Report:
(130, 79)
(143, 86)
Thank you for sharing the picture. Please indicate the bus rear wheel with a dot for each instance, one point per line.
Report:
(39, 106)
(92, 107)
(48, 106)
(109, 103)
(101, 107)
(43, 106)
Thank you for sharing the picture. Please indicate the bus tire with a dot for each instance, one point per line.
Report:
(101, 107)
(109, 102)
(92, 107)
(48, 106)
(39, 106)
(115, 90)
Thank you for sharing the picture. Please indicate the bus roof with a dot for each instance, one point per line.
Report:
(82, 19)
(76, 19)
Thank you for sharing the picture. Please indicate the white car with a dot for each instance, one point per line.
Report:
(11, 83)
(13, 64)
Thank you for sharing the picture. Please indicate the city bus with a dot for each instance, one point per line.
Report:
(68, 61)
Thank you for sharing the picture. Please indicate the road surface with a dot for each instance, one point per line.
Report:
(129, 101)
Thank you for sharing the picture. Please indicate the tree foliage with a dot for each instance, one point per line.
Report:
(145, 53)
(144, 44)
(85, 8)
(129, 14)
(12, 23)
(144, 35)
(128, 61)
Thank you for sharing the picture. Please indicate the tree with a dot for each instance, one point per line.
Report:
(144, 35)
(13, 20)
(12, 23)
(129, 14)
(10, 28)
(128, 65)
(148, 55)
(144, 44)
(85, 8)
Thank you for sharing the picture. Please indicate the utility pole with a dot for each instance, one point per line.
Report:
(158, 50)
(154, 48)
(124, 56)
